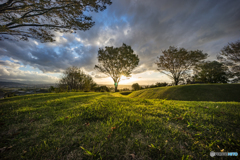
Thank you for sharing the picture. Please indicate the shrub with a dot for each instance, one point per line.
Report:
(136, 86)
(9, 94)
(101, 89)
(74, 78)
(51, 89)
(125, 89)
(158, 84)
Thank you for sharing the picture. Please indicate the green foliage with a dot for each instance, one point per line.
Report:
(158, 84)
(176, 63)
(74, 79)
(101, 89)
(230, 57)
(79, 125)
(9, 94)
(136, 86)
(117, 62)
(125, 89)
(211, 72)
(39, 19)
(51, 89)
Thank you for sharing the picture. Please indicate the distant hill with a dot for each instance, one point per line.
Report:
(194, 92)
(10, 83)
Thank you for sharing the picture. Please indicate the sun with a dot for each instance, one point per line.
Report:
(126, 80)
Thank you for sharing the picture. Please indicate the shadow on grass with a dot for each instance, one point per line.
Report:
(125, 93)
(47, 96)
(62, 130)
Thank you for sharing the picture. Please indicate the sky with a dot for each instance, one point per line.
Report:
(149, 27)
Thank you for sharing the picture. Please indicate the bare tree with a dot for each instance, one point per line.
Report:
(175, 63)
(116, 62)
(38, 19)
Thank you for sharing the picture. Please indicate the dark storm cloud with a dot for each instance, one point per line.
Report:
(148, 26)
(153, 26)
(47, 58)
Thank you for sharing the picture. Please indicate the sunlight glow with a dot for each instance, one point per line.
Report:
(127, 80)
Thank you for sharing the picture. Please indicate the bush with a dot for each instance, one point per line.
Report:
(101, 89)
(51, 89)
(9, 94)
(146, 87)
(136, 86)
(125, 89)
(74, 79)
(158, 84)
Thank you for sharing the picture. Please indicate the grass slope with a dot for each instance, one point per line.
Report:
(103, 126)
(202, 92)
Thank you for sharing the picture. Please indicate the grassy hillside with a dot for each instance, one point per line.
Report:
(198, 92)
(103, 126)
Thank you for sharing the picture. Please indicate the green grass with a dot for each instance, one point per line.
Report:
(113, 126)
(197, 92)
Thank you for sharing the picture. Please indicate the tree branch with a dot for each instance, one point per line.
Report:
(37, 25)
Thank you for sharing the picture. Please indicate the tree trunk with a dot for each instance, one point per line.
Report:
(115, 88)
(176, 82)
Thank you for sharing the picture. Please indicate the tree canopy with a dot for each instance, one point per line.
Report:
(136, 86)
(37, 19)
(74, 78)
(117, 62)
(230, 57)
(211, 72)
(177, 62)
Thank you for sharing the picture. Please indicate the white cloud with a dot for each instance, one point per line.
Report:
(35, 42)
(10, 64)
(15, 74)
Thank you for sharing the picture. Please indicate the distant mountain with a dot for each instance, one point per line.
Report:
(10, 83)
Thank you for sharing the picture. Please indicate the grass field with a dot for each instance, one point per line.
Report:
(197, 92)
(108, 126)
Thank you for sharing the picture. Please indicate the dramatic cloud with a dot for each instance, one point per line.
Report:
(13, 75)
(148, 26)
(10, 64)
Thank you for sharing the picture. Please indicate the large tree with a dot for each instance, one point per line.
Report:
(230, 57)
(117, 62)
(177, 62)
(75, 78)
(38, 19)
(211, 72)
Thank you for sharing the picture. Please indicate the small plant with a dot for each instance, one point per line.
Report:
(190, 124)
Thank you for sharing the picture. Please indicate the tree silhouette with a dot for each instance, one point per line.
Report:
(136, 86)
(176, 63)
(74, 78)
(38, 19)
(211, 72)
(230, 57)
(117, 62)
